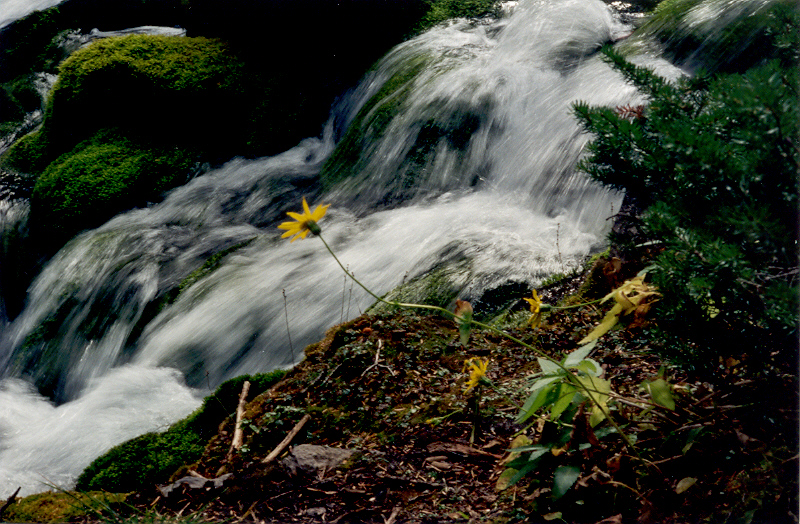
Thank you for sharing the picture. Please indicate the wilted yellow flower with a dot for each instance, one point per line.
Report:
(477, 370)
(303, 223)
(536, 309)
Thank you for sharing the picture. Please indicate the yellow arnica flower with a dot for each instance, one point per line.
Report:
(305, 223)
(536, 309)
(477, 370)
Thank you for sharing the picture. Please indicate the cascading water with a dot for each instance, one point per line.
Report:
(476, 163)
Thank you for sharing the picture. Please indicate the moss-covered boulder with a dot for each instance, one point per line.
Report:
(172, 90)
(442, 10)
(126, 121)
(101, 176)
(141, 462)
(718, 34)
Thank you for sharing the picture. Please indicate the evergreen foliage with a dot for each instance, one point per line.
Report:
(715, 161)
(141, 462)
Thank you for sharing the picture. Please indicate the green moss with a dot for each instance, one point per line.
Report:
(438, 287)
(442, 10)
(190, 85)
(102, 176)
(27, 44)
(153, 457)
(370, 124)
(61, 506)
(721, 35)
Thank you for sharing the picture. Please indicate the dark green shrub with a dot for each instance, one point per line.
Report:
(144, 461)
(715, 161)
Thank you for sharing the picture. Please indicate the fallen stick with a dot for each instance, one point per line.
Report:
(285, 442)
(238, 436)
(10, 501)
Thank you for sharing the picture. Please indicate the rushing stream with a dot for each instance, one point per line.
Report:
(502, 199)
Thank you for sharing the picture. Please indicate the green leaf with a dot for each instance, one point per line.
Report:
(524, 470)
(536, 401)
(563, 479)
(523, 449)
(548, 366)
(504, 481)
(542, 382)
(566, 392)
(598, 392)
(464, 329)
(575, 358)
(590, 367)
(660, 392)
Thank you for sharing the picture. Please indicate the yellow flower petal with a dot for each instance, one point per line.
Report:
(477, 367)
(303, 223)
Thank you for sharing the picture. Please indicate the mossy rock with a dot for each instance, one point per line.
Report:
(442, 10)
(152, 458)
(437, 287)
(171, 89)
(717, 35)
(62, 506)
(101, 177)
(370, 123)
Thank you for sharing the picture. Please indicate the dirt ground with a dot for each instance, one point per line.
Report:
(392, 389)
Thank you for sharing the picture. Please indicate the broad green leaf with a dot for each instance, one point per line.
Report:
(566, 392)
(542, 382)
(524, 470)
(536, 401)
(574, 358)
(660, 392)
(504, 481)
(548, 366)
(563, 479)
(590, 367)
(598, 392)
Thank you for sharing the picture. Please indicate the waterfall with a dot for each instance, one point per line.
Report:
(475, 163)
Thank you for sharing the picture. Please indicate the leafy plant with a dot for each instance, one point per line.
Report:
(715, 162)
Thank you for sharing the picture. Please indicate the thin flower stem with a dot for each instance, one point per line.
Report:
(572, 306)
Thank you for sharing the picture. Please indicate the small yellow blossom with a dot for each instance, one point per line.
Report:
(304, 223)
(536, 309)
(477, 370)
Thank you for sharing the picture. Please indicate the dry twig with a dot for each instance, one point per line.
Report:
(285, 442)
